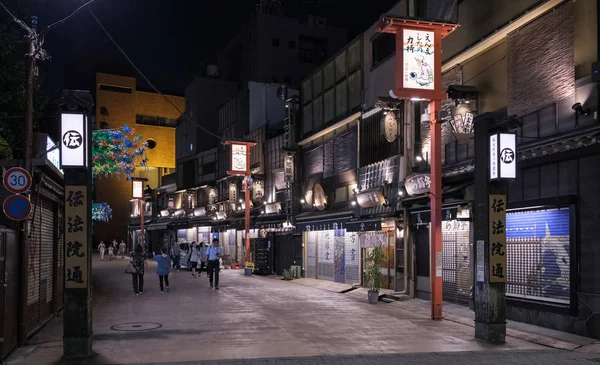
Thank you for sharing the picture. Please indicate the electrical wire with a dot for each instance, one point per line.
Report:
(15, 19)
(146, 79)
(64, 20)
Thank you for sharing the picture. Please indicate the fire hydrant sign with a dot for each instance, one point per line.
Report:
(76, 244)
(17, 180)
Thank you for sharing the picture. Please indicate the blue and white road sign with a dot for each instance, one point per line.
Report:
(17, 207)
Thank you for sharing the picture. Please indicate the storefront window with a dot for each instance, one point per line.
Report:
(538, 248)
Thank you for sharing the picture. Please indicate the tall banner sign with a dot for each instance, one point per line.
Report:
(497, 250)
(503, 156)
(73, 152)
(288, 168)
(76, 236)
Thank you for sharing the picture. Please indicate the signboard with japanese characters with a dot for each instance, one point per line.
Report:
(503, 156)
(416, 184)
(373, 239)
(390, 127)
(239, 159)
(288, 168)
(419, 59)
(497, 249)
(76, 237)
(137, 189)
(73, 140)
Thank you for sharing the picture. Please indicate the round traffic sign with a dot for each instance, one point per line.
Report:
(17, 180)
(17, 207)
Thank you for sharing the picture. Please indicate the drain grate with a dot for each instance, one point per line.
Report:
(136, 326)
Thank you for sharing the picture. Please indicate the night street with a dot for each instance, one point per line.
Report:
(255, 317)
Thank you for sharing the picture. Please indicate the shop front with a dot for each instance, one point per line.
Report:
(330, 251)
(456, 252)
(383, 233)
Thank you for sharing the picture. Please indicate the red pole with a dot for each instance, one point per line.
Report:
(247, 216)
(436, 211)
(142, 223)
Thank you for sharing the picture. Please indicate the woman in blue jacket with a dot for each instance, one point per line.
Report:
(162, 269)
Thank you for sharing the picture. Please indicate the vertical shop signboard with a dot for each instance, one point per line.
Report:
(497, 249)
(76, 235)
(338, 255)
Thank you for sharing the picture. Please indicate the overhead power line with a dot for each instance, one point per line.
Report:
(146, 79)
(67, 18)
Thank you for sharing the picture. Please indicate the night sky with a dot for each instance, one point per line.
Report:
(169, 40)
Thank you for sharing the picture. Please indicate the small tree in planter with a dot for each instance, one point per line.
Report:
(375, 260)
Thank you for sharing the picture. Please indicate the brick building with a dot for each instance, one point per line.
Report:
(119, 103)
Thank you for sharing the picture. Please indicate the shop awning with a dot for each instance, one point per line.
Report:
(179, 224)
(157, 226)
(314, 221)
(450, 191)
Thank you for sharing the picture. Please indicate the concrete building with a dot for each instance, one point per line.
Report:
(203, 97)
(119, 103)
(274, 48)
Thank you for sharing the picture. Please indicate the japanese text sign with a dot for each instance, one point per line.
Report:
(239, 158)
(419, 59)
(288, 166)
(137, 189)
(76, 237)
(73, 140)
(497, 249)
(503, 156)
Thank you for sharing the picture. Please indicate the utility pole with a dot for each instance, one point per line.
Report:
(28, 151)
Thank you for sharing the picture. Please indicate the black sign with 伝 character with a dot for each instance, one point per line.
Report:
(76, 240)
(497, 248)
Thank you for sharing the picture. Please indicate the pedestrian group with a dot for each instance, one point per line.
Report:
(200, 257)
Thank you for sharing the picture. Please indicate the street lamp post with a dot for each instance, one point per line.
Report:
(240, 166)
(138, 195)
(419, 77)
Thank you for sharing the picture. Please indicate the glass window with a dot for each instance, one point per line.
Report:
(382, 46)
(157, 121)
(329, 106)
(318, 83)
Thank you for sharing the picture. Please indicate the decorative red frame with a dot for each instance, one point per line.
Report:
(396, 25)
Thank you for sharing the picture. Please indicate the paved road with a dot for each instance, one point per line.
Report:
(253, 317)
(460, 358)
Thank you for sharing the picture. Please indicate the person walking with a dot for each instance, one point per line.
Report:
(214, 254)
(202, 258)
(138, 261)
(101, 249)
(111, 253)
(162, 269)
(194, 258)
(122, 248)
(176, 252)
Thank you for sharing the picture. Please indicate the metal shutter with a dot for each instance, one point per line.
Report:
(46, 258)
(311, 255)
(60, 264)
(538, 255)
(325, 255)
(456, 272)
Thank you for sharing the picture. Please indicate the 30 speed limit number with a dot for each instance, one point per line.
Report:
(17, 180)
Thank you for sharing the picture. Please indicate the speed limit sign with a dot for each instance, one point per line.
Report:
(17, 180)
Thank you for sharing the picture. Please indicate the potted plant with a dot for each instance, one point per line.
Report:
(375, 259)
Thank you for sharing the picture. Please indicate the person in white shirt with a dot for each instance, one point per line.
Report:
(214, 254)
(101, 249)
(122, 249)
